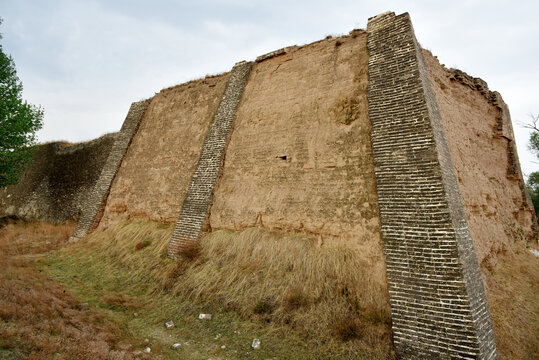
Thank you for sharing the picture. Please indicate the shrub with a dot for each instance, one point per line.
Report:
(348, 327)
(295, 298)
(190, 252)
(263, 306)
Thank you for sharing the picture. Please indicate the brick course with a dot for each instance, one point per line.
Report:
(95, 202)
(437, 298)
(197, 202)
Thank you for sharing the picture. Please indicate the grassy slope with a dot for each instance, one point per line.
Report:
(39, 318)
(513, 297)
(300, 300)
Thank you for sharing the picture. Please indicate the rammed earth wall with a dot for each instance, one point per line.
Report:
(197, 202)
(291, 143)
(300, 156)
(437, 298)
(478, 129)
(158, 166)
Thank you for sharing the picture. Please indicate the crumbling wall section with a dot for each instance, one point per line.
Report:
(480, 135)
(437, 297)
(54, 186)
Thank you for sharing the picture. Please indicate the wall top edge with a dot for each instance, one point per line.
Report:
(382, 20)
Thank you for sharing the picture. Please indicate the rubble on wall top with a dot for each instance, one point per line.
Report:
(353, 33)
(278, 52)
(473, 83)
(390, 13)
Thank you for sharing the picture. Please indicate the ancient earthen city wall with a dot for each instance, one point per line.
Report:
(56, 184)
(364, 140)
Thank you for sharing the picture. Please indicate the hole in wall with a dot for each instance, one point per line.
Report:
(282, 157)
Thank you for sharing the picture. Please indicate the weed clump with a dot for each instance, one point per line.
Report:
(190, 251)
(142, 244)
(348, 327)
(295, 298)
(263, 306)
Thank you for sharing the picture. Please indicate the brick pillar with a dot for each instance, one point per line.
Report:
(197, 202)
(93, 208)
(437, 298)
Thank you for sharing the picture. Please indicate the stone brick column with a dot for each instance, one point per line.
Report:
(93, 208)
(437, 298)
(197, 202)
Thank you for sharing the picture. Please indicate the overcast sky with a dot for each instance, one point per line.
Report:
(86, 61)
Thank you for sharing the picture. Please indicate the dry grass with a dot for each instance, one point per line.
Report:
(286, 281)
(307, 284)
(39, 319)
(190, 251)
(317, 301)
(21, 238)
(512, 293)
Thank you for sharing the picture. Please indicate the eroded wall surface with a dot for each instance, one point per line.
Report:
(156, 170)
(480, 137)
(299, 158)
(56, 184)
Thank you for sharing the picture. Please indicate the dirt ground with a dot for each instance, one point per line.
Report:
(39, 318)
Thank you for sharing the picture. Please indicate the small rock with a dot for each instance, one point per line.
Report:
(534, 252)
(169, 324)
(135, 314)
(223, 347)
(204, 316)
(176, 346)
(256, 344)
(147, 350)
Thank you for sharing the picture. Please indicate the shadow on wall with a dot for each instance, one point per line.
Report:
(55, 185)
